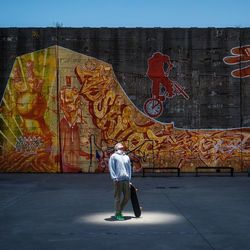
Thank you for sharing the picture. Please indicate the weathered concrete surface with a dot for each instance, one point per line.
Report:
(217, 100)
(45, 211)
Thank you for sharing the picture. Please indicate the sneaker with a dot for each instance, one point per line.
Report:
(119, 217)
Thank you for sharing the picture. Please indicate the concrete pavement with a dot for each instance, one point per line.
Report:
(75, 211)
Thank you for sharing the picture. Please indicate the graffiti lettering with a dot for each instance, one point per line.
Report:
(29, 144)
(118, 120)
(240, 55)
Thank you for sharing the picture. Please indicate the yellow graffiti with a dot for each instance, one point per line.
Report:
(25, 115)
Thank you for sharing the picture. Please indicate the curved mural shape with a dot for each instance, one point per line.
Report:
(63, 111)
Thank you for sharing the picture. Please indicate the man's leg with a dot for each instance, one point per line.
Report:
(117, 196)
(126, 194)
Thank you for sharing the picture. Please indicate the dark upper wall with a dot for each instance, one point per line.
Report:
(217, 100)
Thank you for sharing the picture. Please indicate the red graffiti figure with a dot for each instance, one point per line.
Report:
(240, 55)
(157, 74)
(153, 107)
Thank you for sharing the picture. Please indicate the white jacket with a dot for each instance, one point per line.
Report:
(120, 167)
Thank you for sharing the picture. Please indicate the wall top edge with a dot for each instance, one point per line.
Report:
(125, 28)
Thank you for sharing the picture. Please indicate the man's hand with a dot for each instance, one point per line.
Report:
(239, 55)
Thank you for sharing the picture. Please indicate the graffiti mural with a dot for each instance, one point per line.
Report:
(63, 111)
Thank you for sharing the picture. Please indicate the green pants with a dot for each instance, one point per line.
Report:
(121, 187)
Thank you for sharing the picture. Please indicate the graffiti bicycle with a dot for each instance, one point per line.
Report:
(153, 106)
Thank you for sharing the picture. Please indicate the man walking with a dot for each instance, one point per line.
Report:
(120, 172)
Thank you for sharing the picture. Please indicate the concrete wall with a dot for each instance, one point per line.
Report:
(199, 112)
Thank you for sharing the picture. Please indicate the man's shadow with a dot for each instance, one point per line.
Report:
(112, 218)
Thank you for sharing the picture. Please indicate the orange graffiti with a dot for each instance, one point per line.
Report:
(47, 127)
(240, 56)
(120, 120)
